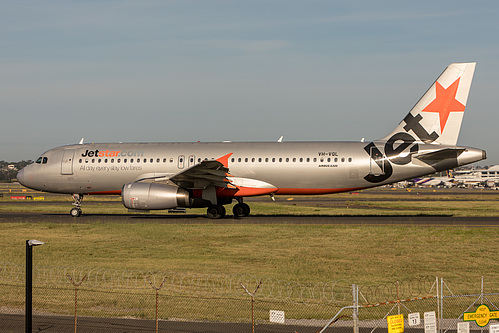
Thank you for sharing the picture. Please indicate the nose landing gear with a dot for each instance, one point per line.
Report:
(76, 211)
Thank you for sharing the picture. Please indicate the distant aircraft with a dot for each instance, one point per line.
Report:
(434, 182)
(185, 175)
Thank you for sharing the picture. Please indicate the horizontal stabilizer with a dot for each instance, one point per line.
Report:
(439, 155)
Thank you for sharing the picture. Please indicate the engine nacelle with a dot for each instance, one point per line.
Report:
(146, 196)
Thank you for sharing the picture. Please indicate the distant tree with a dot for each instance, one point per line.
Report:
(8, 175)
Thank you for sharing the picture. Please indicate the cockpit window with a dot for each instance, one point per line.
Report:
(45, 160)
(39, 160)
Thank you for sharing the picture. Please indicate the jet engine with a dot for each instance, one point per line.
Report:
(141, 195)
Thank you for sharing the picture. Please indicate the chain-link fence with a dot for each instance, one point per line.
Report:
(98, 300)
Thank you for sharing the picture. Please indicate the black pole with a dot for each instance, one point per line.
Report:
(29, 285)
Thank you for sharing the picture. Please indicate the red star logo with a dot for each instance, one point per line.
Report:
(445, 103)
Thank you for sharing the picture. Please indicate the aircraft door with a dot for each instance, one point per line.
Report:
(192, 160)
(67, 162)
(181, 161)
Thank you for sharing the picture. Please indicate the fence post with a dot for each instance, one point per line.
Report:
(441, 314)
(252, 304)
(398, 297)
(76, 285)
(481, 293)
(355, 313)
(157, 297)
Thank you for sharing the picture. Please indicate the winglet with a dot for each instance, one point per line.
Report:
(224, 160)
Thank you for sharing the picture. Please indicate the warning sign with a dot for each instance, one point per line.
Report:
(395, 323)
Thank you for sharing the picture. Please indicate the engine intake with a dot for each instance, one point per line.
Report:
(146, 196)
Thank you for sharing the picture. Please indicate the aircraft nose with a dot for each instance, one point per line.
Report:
(21, 178)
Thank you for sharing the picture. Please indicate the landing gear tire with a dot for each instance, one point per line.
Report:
(241, 210)
(75, 212)
(216, 212)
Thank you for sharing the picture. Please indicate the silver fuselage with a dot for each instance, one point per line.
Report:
(291, 167)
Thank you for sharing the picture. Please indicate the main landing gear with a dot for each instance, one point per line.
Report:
(241, 210)
(218, 211)
(76, 211)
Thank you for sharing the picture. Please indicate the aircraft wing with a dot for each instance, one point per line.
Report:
(204, 174)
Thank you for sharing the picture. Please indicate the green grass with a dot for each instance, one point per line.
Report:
(308, 254)
(302, 253)
(299, 253)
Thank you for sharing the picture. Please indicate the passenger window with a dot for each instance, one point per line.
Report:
(336, 159)
(342, 159)
(246, 159)
(349, 159)
(280, 159)
(322, 159)
(233, 160)
(151, 160)
(171, 160)
(301, 159)
(93, 160)
(164, 160)
(294, 159)
(239, 159)
(157, 161)
(119, 160)
(112, 160)
(287, 159)
(315, 159)
(266, 159)
(259, 159)
(253, 160)
(308, 159)
(99, 160)
(79, 161)
(105, 161)
(131, 160)
(273, 159)
(124, 161)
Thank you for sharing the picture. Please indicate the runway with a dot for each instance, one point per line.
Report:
(379, 220)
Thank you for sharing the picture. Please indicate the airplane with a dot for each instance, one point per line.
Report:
(434, 182)
(447, 181)
(171, 176)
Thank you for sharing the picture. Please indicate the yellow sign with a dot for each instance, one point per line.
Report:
(395, 323)
(481, 316)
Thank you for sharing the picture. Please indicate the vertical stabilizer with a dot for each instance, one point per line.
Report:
(437, 116)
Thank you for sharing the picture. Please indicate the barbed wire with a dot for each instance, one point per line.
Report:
(398, 290)
(216, 284)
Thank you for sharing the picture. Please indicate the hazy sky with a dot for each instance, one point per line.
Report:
(151, 70)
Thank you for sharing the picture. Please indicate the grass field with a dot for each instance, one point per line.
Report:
(301, 253)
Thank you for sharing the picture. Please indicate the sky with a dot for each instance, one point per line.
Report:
(187, 70)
